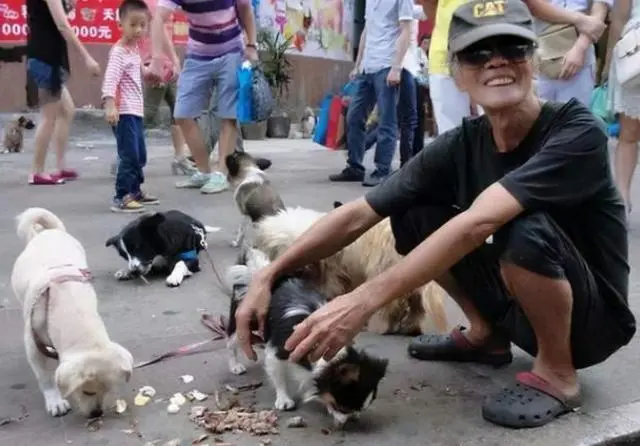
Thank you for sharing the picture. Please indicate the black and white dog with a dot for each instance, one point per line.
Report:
(254, 195)
(346, 385)
(162, 241)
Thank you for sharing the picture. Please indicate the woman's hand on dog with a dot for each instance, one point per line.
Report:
(254, 306)
(330, 328)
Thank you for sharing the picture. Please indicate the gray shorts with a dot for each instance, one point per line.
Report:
(196, 83)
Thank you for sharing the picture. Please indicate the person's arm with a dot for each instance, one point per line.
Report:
(62, 23)
(544, 10)
(160, 42)
(405, 17)
(112, 77)
(360, 49)
(619, 17)
(547, 179)
(599, 11)
(247, 20)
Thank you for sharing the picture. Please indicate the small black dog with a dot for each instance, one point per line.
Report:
(346, 384)
(164, 241)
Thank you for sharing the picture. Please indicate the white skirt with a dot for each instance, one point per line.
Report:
(623, 99)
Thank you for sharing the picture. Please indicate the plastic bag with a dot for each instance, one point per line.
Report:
(599, 103)
(262, 96)
(245, 93)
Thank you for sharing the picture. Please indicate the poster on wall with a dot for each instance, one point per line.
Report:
(320, 28)
(94, 21)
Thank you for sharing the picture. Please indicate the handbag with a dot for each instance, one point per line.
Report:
(262, 95)
(553, 44)
(599, 103)
(627, 58)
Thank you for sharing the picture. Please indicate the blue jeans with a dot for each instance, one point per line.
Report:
(373, 89)
(407, 115)
(132, 155)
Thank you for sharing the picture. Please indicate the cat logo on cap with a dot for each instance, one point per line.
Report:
(490, 8)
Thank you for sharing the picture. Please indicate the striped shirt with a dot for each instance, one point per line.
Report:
(214, 28)
(123, 80)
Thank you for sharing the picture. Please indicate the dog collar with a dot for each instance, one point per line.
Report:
(188, 255)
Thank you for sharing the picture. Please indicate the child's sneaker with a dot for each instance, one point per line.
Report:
(145, 198)
(195, 181)
(44, 179)
(128, 204)
(217, 183)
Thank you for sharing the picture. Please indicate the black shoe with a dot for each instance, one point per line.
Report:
(263, 163)
(347, 175)
(374, 179)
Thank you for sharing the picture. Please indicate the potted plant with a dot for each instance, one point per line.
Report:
(277, 69)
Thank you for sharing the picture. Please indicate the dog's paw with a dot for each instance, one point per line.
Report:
(174, 280)
(284, 402)
(55, 404)
(123, 274)
(237, 368)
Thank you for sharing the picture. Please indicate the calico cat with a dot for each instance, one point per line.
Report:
(346, 384)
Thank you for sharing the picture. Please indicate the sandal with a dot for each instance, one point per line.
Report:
(455, 347)
(530, 402)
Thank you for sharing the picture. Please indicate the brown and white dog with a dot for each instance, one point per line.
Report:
(14, 134)
(421, 311)
(67, 345)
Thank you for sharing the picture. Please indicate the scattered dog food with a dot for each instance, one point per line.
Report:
(196, 395)
(121, 406)
(200, 439)
(264, 422)
(144, 395)
(296, 422)
(175, 403)
(253, 385)
(186, 379)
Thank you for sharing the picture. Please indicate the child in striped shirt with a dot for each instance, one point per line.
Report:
(122, 93)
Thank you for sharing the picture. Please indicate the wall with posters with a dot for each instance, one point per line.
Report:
(320, 28)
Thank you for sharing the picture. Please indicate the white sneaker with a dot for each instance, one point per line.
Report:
(195, 181)
(217, 183)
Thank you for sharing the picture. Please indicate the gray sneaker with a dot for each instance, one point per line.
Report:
(217, 183)
(195, 181)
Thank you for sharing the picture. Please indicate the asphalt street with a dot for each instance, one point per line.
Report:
(418, 403)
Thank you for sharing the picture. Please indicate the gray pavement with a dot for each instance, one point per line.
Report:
(418, 403)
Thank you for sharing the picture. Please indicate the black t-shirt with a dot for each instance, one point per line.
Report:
(45, 42)
(560, 168)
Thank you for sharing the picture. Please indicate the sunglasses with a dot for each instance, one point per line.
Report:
(479, 55)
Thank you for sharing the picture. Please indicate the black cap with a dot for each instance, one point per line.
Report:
(479, 19)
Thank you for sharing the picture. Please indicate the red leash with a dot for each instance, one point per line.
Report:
(216, 324)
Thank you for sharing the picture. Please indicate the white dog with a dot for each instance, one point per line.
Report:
(62, 326)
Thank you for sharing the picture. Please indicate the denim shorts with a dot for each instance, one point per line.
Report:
(46, 79)
(197, 81)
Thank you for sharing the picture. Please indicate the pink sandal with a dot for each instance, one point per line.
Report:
(67, 174)
(44, 179)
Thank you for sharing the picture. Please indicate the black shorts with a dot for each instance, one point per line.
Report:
(536, 243)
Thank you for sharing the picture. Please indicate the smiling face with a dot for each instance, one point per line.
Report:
(496, 72)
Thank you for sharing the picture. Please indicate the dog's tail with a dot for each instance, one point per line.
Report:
(34, 220)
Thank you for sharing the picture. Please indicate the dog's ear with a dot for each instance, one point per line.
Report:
(29, 125)
(22, 121)
(337, 204)
(68, 376)
(112, 241)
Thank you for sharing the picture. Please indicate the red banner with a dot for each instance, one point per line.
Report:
(94, 21)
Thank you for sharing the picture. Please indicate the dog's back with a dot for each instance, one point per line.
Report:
(259, 200)
(48, 246)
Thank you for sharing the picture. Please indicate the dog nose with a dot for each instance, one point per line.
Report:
(96, 413)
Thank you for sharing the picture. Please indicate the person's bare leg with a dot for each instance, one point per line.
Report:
(547, 303)
(479, 329)
(44, 132)
(62, 127)
(626, 156)
(179, 143)
(227, 143)
(193, 136)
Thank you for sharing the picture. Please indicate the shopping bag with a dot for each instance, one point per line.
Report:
(245, 93)
(262, 95)
(320, 134)
(599, 103)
